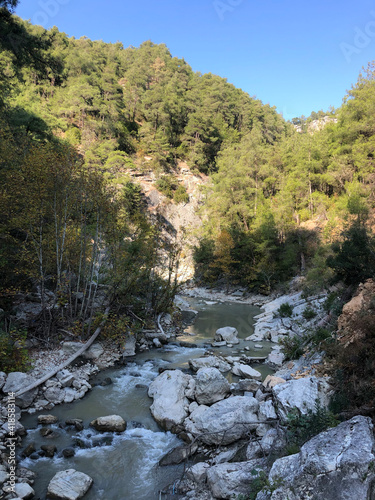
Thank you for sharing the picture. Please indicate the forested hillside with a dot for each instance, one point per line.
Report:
(78, 117)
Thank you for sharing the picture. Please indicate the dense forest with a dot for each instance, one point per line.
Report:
(76, 116)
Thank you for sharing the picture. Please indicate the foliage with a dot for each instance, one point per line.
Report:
(180, 195)
(13, 353)
(354, 258)
(308, 313)
(260, 482)
(293, 346)
(301, 428)
(285, 310)
(353, 366)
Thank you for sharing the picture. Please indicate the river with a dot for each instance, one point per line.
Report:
(124, 466)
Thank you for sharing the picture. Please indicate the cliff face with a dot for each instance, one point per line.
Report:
(179, 222)
(361, 305)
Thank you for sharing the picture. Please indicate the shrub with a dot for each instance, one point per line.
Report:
(301, 428)
(309, 313)
(166, 185)
(180, 195)
(293, 347)
(13, 355)
(285, 310)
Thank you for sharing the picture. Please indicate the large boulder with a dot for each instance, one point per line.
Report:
(227, 334)
(228, 480)
(209, 361)
(69, 485)
(336, 464)
(110, 423)
(224, 422)
(210, 386)
(18, 381)
(169, 390)
(301, 394)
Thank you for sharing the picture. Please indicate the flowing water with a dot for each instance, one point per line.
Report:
(124, 466)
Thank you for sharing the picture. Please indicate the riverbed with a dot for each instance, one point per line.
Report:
(124, 466)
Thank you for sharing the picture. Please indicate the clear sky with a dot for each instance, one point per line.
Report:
(296, 55)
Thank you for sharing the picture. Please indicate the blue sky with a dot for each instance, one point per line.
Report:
(297, 56)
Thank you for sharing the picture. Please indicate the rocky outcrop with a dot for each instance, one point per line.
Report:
(169, 391)
(348, 329)
(301, 395)
(69, 485)
(336, 464)
(210, 386)
(224, 422)
(110, 423)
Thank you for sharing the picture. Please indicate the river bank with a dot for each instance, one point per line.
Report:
(194, 400)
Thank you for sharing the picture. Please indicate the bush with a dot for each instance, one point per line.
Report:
(309, 313)
(13, 355)
(293, 347)
(285, 310)
(301, 428)
(180, 195)
(166, 185)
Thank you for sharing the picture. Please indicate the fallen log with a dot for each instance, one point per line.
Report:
(68, 361)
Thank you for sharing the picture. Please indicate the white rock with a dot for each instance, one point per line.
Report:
(3, 377)
(69, 485)
(24, 491)
(300, 394)
(275, 359)
(227, 334)
(246, 371)
(224, 422)
(209, 361)
(210, 386)
(336, 464)
(229, 480)
(267, 411)
(198, 472)
(170, 406)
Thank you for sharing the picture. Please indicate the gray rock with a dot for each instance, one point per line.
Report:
(210, 386)
(24, 491)
(246, 371)
(227, 334)
(245, 385)
(3, 377)
(178, 455)
(93, 352)
(69, 394)
(224, 422)
(69, 485)
(301, 394)
(170, 406)
(55, 395)
(188, 316)
(198, 472)
(211, 362)
(18, 381)
(110, 423)
(272, 442)
(270, 381)
(157, 343)
(3, 477)
(275, 359)
(68, 452)
(336, 464)
(71, 348)
(129, 347)
(229, 480)
(47, 419)
(267, 411)
(49, 450)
